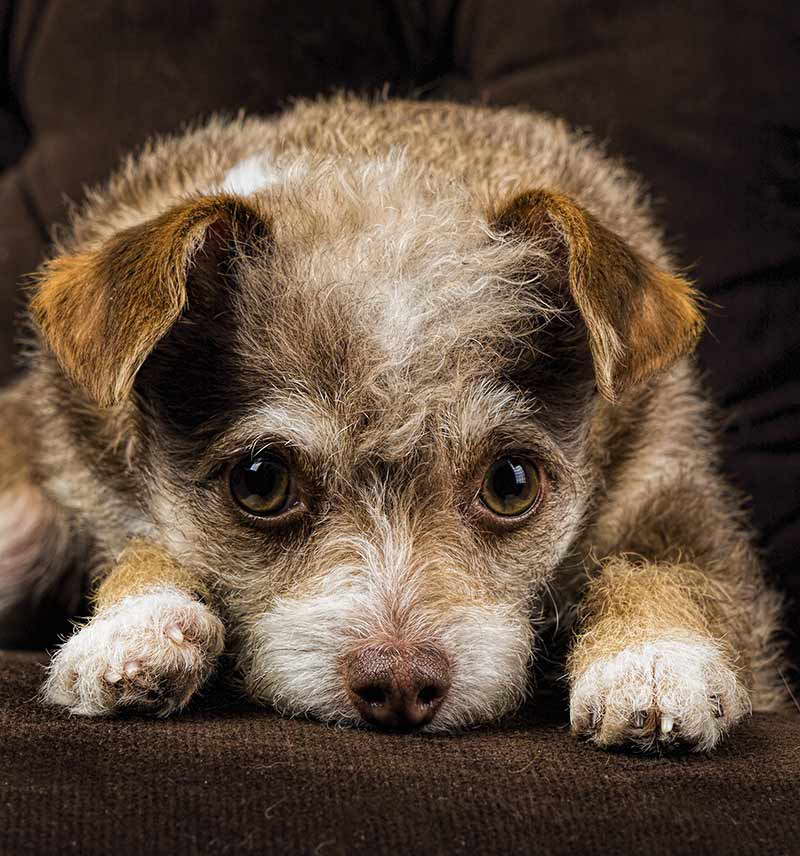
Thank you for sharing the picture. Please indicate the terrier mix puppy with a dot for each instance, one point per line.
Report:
(349, 393)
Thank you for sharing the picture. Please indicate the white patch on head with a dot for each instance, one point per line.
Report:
(254, 174)
(298, 421)
(293, 656)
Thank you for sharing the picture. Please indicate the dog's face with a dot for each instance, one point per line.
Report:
(361, 406)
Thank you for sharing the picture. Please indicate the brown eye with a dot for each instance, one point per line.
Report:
(262, 485)
(511, 486)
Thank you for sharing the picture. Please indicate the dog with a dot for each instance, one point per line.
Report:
(368, 396)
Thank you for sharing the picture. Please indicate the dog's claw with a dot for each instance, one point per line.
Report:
(639, 719)
(667, 723)
(132, 668)
(175, 633)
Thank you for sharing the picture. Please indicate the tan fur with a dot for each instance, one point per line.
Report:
(14, 427)
(143, 567)
(405, 293)
(632, 601)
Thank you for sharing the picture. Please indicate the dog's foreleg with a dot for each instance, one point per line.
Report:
(150, 645)
(659, 657)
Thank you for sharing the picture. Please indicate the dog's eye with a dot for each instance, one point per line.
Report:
(262, 485)
(511, 486)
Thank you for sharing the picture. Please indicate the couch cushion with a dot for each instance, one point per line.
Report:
(230, 778)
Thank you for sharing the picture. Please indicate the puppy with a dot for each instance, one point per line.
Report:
(356, 394)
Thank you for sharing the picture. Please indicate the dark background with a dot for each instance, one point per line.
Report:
(700, 97)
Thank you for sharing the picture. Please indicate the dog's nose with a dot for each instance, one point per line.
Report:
(398, 688)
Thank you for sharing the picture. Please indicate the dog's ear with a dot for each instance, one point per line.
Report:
(639, 319)
(103, 311)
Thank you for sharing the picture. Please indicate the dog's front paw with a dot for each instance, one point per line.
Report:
(150, 652)
(679, 692)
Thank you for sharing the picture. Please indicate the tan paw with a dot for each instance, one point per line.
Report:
(150, 652)
(672, 691)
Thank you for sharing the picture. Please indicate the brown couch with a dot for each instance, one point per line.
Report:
(225, 778)
(698, 97)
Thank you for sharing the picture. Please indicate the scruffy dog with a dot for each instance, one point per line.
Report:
(359, 394)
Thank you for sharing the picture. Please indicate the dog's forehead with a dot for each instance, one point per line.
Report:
(382, 278)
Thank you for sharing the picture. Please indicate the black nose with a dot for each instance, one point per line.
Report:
(398, 688)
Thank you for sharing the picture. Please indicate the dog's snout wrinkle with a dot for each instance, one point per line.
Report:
(397, 688)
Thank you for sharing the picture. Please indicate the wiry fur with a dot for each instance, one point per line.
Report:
(391, 295)
(386, 596)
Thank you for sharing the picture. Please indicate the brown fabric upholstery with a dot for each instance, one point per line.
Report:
(231, 779)
(699, 98)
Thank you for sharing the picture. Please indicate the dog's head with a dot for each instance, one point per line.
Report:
(361, 407)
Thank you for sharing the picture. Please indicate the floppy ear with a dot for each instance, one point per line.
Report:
(640, 319)
(103, 311)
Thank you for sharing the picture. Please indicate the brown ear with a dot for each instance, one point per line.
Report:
(103, 311)
(640, 319)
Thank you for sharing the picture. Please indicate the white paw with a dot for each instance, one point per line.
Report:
(149, 652)
(670, 691)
